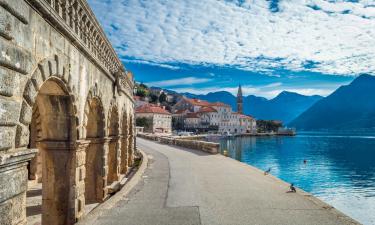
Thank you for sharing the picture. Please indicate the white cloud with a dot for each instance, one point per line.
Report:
(137, 61)
(331, 37)
(277, 84)
(178, 82)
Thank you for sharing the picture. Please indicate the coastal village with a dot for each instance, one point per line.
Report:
(195, 116)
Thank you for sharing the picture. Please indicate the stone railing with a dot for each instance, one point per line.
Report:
(210, 147)
(77, 22)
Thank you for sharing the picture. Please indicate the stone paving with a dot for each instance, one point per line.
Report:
(34, 203)
(182, 186)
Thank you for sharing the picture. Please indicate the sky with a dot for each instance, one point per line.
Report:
(268, 46)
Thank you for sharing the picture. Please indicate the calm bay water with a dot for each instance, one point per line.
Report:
(340, 168)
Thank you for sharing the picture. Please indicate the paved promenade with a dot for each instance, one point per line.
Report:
(183, 186)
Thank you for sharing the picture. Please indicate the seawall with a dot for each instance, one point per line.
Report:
(205, 146)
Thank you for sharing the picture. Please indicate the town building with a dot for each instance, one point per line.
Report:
(139, 101)
(192, 121)
(156, 118)
(178, 118)
(190, 104)
(203, 116)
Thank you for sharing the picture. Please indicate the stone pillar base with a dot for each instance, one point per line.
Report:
(13, 186)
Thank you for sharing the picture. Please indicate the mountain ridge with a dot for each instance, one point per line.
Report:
(349, 107)
(285, 106)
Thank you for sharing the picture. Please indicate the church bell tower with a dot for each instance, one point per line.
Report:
(239, 100)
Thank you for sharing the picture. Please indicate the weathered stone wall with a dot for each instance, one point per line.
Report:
(57, 48)
(204, 146)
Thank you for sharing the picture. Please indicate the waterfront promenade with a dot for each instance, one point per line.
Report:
(181, 186)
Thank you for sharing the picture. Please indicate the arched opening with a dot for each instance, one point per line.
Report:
(35, 165)
(113, 146)
(124, 144)
(94, 162)
(52, 132)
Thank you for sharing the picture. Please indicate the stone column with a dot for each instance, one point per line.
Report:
(131, 152)
(124, 154)
(118, 157)
(131, 147)
(104, 173)
(79, 177)
(13, 186)
(113, 153)
(62, 194)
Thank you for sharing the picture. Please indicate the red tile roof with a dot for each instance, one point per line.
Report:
(150, 108)
(197, 102)
(219, 104)
(192, 115)
(245, 116)
(181, 111)
(206, 109)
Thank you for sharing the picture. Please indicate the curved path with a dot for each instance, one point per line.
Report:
(182, 186)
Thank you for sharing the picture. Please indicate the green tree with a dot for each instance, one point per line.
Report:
(144, 122)
(142, 85)
(162, 97)
(141, 93)
(154, 98)
(268, 125)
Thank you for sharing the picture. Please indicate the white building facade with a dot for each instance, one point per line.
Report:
(216, 116)
(159, 119)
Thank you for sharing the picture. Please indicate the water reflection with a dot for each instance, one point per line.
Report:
(340, 168)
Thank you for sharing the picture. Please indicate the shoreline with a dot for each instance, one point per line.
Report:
(273, 191)
(300, 191)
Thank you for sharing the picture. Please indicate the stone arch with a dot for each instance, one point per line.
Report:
(94, 132)
(124, 142)
(93, 95)
(114, 143)
(55, 68)
(48, 121)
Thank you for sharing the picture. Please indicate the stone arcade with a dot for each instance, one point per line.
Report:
(66, 110)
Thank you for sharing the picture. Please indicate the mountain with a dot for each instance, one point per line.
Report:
(349, 107)
(285, 107)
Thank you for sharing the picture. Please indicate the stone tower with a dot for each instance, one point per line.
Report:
(239, 100)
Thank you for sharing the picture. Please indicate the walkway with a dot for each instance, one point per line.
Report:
(183, 186)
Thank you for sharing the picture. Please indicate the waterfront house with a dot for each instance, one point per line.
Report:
(203, 116)
(155, 118)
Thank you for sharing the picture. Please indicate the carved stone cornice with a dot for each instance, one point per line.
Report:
(75, 20)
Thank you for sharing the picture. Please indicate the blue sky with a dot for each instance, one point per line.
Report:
(305, 46)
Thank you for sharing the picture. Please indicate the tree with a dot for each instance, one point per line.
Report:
(142, 90)
(162, 97)
(154, 98)
(268, 125)
(142, 85)
(141, 93)
(144, 122)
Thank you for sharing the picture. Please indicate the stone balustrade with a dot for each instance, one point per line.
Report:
(209, 147)
(75, 20)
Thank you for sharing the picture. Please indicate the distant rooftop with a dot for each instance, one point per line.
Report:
(151, 108)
